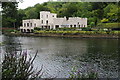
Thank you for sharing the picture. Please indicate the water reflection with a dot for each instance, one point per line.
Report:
(59, 55)
(11, 44)
(103, 53)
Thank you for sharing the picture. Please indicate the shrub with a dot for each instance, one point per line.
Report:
(18, 66)
(104, 20)
(92, 24)
(108, 25)
(86, 29)
(37, 28)
(78, 75)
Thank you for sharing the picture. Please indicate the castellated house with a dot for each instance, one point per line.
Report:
(51, 21)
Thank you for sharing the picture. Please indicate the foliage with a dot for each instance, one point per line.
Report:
(95, 12)
(31, 13)
(77, 32)
(37, 28)
(8, 30)
(19, 66)
(9, 14)
(108, 25)
(104, 20)
(67, 29)
(86, 29)
(111, 12)
(92, 24)
(77, 74)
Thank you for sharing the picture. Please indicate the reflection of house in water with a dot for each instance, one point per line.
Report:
(50, 21)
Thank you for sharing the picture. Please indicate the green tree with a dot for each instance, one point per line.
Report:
(21, 16)
(31, 13)
(9, 14)
(111, 12)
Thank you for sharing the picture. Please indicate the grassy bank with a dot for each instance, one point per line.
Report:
(108, 25)
(84, 33)
(80, 32)
(69, 35)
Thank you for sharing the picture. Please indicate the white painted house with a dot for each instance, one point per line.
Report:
(50, 21)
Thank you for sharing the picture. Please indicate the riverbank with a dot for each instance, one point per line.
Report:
(107, 36)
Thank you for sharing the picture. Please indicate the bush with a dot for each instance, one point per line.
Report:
(37, 28)
(108, 25)
(17, 66)
(86, 29)
(77, 74)
(92, 24)
(104, 20)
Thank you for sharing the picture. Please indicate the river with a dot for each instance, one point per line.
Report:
(59, 55)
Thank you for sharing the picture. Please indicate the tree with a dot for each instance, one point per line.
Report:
(31, 14)
(111, 12)
(9, 14)
(21, 16)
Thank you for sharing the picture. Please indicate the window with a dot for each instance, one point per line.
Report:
(47, 22)
(79, 26)
(53, 15)
(28, 30)
(31, 24)
(48, 27)
(74, 26)
(24, 30)
(84, 25)
(34, 25)
(56, 26)
(42, 21)
(21, 30)
(27, 24)
(24, 24)
(70, 26)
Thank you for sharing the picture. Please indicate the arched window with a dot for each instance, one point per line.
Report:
(74, 26)
(27, 24)
(34, 25)
(46, 21)
(24, 30)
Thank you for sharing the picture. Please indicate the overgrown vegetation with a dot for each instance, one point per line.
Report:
(78, 32)
(78, 75)
(97, 13)
(19, 66)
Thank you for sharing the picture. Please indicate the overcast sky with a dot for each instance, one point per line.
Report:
(28, 3)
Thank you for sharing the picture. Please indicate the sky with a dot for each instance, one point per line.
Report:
(29, 3)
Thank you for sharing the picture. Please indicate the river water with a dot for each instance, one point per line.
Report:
(59, 55)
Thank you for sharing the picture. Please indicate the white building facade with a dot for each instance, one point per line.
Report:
(50, 21)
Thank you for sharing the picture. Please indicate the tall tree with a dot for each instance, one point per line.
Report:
(9, 14)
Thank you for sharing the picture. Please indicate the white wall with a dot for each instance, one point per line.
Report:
(31, 23)
(59, 21)
(74, 21)
(53, 21)
(47, 16)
